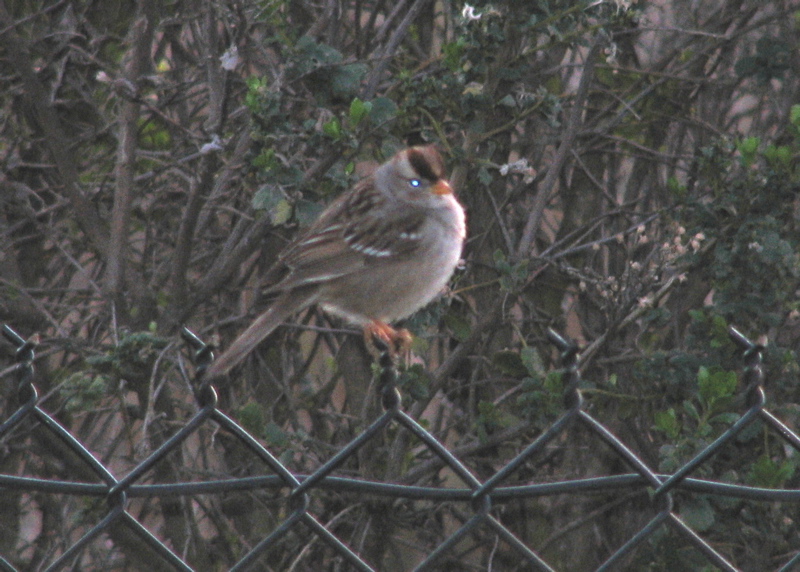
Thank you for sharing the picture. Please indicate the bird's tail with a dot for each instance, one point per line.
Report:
(287, 304)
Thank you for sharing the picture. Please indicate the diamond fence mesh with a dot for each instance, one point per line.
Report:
(114, 528)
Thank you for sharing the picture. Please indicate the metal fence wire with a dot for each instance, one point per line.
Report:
(476, 496)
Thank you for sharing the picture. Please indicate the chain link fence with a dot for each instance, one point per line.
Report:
(478, 497)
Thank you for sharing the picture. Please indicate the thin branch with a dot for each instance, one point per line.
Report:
(391, 47)
(548, 185)
(141, 35)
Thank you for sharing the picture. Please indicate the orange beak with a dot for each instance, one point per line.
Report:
(442, 187)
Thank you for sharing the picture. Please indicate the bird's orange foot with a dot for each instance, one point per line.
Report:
(381, 337)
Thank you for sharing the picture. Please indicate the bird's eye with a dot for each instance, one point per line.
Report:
(415, 183)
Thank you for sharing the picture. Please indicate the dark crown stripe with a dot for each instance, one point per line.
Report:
(422, 164)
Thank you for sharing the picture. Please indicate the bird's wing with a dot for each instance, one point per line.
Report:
(351, 236)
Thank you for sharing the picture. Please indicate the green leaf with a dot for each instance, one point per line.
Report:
(82, 392)
(500, 261)
(484, 176)
(251, 417)
(508, 101)
(794, 115)
(532, 361)
(275, 436)
(667, 423)
(698, 514)
(266, 198)
(311, 55)
(669, 460)
(719, 331)
(768, 473)
(358, 111)
(266, 159)
(778, 155)
(749, 145)
(728, 418)
(307, 211)
(383, 110)
(452, 54)
(554, 382)
(459, 325)
(153, 135)
(716, 384)
(690, 408)
(491, 418)
(333, 129)
(415, 381)
(509, 363)
(281, 213)
(748, 148)
(346, 80)
(703, 375)
(271, 199)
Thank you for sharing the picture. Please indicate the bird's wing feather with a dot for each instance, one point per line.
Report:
(352, 236)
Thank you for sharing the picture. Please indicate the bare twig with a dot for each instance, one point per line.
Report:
(141, 35)
(548, 184)
(388, 51)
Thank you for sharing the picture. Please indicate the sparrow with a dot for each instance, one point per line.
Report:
(378, 253)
